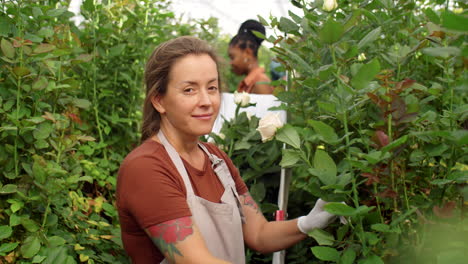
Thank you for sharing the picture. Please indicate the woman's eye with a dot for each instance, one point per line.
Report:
(188, 90)
(213, 88)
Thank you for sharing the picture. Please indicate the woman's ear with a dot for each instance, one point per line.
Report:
(157, 104)
(248, 53)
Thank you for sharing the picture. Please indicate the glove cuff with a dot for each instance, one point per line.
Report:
(300, 224)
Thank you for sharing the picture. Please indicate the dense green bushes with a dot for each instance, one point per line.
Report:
(70, 100)
(378, 100)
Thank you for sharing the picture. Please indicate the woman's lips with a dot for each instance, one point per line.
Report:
(203, 117)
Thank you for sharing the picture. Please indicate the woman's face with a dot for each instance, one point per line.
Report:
(191, 103)
(239, 60)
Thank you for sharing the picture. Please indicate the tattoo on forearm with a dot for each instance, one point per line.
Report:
(166, 234)
(249, 201)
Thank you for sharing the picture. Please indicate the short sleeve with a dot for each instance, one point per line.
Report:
(151, 193)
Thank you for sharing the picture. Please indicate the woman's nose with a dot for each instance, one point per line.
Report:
(205, 98)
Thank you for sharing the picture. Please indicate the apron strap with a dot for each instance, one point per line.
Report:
(215, 161)
(177, 162)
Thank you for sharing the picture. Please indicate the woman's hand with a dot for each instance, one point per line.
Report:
(317, 218)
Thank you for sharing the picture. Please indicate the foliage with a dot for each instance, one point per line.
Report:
(70, 101)
(378, 103)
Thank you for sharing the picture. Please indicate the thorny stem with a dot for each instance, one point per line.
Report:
(390, 139)
(18, 94)
(95, 99)
(360, 228)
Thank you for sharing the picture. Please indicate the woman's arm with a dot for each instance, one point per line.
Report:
(181, 242)
(264, 236)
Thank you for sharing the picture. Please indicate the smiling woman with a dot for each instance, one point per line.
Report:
(181, 200)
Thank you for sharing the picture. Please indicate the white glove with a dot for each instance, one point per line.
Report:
(317, 218)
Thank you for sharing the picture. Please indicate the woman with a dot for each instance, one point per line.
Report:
(183, 201)
(243, 52)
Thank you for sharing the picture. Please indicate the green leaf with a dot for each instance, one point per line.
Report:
(55, 241)
(38, 259)
(37, 12)
(29, 224)
(339, 209)
(5, 232)
(55, 12)
(326, 132)
(57, 255)
(326, 253)
(7, 48)
(258, 191)
(7, 247)
(370, 37)
(433, 17)
(40, 84)
(117, 50)
(372, 259)
(81, 103)
(88, 5)
(454, 21)
(21, 71)
(443, 52)
(325, 167)
(395, 143)
(262, 20)
(322, 237)
(331, 31)
(365, 74)
(382, 228)
(8, 188)
(290, 157)
(287, 25)
(330, 107)
(348, 257)
(30, 247)
(43, 48)
(289, 135)
(43, 130)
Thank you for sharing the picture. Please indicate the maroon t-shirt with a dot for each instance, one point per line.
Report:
(151, 191)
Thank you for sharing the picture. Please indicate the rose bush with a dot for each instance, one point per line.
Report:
(392, 123)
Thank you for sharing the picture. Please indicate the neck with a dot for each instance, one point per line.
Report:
(253, 66)
(183, 144)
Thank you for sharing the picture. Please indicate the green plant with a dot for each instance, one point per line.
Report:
(70, 101)
(376, 123)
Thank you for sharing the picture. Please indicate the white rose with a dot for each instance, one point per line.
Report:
(329, 5)
(242, 99)
(268, 125)
(361, 57)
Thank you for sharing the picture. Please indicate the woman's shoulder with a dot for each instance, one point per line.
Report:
(148, 151)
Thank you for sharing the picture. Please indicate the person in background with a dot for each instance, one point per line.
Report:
(181, 200)
(243, 52)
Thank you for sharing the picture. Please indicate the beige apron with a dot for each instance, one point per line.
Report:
(219, 223)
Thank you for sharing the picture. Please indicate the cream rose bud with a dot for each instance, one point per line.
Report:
(361, 57)
(222, 136)
(268, 125)
(329, 5)
(242, 99)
